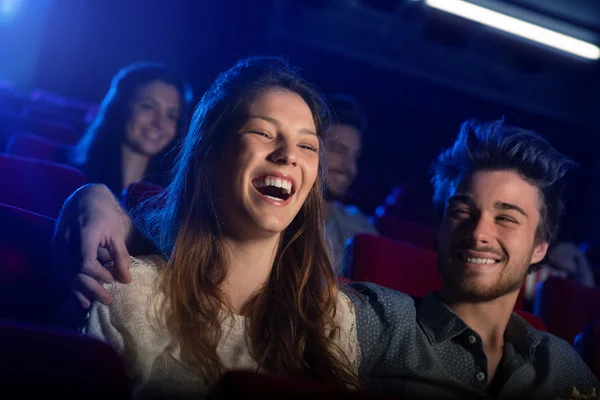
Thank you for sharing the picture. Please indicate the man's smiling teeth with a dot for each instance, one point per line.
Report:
(472, 260)
(284, 184)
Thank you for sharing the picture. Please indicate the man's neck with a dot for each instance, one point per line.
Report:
(249, 263)
(489, 319)
(133, 165)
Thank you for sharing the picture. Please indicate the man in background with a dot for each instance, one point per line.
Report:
(343, 151)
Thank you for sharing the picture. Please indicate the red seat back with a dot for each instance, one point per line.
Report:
(587, 344)
(35, 185)
(252, 385)
(45, 363)
(52, 129)
(566, 307)
(34, 146)
(32, 287)
(406, 231)
(137, 192)
(396, 265)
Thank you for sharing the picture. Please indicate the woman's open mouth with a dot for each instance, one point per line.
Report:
(274, 188)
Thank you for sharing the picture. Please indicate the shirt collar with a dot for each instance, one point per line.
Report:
(440, 323)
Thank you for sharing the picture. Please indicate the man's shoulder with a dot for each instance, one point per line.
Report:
(556, 347)
(375, 301)
(565, 366)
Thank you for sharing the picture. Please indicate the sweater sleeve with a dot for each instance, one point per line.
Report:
(131, 324)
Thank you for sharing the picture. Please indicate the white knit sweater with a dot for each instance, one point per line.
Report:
(134, 325)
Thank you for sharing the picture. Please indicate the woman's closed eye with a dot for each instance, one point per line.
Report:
(309, 147)
(261, 133)
(460, 213)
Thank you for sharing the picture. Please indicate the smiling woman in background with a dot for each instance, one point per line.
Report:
(136, 128)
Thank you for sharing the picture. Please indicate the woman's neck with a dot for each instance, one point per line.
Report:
(250, 265)
(133, 165)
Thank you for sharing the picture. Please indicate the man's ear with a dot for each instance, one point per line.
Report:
(539, 252)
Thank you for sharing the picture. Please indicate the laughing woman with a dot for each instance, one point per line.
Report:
(243, 279)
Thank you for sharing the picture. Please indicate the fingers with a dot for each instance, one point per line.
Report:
(84, 301)
(104, 256)
(90, 289)
(90, 238)
(120, 255)
(96, 271)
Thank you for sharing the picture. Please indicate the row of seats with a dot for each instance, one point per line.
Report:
(74, 367)
(34, 146)
(41, 104)
(566, 307)
(51, 129)
(76, 376)
(60, 364)
(36, 185)
(33, 287)
(39, 182)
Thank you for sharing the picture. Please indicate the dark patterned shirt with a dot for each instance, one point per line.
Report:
(428, 352)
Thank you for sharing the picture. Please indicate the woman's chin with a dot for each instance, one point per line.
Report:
(270, 225)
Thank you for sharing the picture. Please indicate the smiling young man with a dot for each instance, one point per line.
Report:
(498, 197)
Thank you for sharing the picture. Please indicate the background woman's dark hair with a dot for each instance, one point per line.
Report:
(98, 152)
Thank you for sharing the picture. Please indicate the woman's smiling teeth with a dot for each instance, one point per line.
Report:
(274, 188)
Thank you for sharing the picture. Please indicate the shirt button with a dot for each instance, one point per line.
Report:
(83, 330)
(480, 376)
(472, 339)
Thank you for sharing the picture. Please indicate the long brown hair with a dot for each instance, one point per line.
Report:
(291, 325)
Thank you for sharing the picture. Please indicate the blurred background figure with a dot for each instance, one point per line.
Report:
(343, 151)
(135, 132)
(569, 261)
